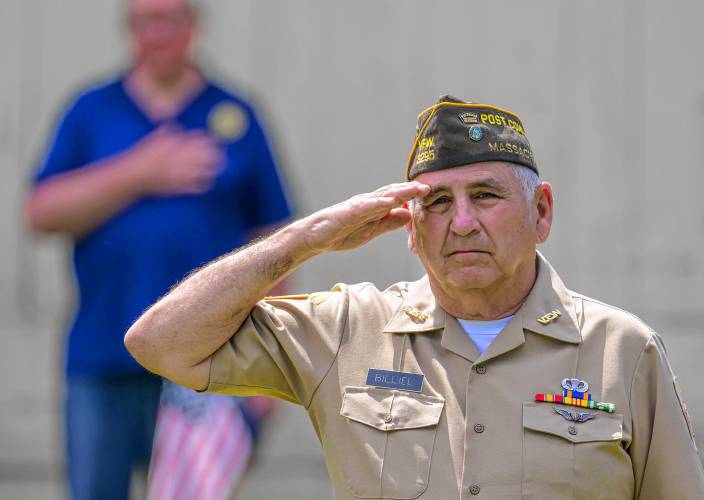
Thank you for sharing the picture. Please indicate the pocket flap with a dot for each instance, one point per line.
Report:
(391, 410)
(541, 417)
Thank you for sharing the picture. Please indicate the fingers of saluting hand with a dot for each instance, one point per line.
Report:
(403, 191)
(396, 218)
(371, 206)
(353, 222)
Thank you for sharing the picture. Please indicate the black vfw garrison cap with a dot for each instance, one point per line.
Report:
(453, 133)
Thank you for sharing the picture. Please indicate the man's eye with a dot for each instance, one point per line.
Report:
(440, 201)
(438, 205)
(484, 196)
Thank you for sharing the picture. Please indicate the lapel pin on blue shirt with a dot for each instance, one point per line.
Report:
(227, 121)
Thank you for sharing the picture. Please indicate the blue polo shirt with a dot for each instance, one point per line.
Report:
(125, 265)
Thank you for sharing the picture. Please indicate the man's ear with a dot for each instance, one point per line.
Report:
(544, 206)
(411, 236)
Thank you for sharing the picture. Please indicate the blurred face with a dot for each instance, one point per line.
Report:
(476, 229)
(161, 32)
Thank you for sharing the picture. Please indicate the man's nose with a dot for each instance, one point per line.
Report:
(464, 220)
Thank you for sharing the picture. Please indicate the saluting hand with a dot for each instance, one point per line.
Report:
(178, 335)
(354, 222)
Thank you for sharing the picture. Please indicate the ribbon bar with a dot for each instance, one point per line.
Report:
(584, 403)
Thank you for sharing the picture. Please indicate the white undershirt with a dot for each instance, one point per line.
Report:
(483, 333)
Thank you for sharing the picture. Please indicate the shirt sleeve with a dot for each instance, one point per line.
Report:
(266, 201)
(284, 349)
(665, 459)
(66, 150)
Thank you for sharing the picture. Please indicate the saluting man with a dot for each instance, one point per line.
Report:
(486, 378)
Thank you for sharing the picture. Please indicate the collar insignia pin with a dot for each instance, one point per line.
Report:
(549, 317)
(415, 314)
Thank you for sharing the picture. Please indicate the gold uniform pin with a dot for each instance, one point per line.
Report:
(415, 314)
(549, 317)
(227, 121)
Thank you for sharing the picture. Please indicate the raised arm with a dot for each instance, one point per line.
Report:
(177, 336)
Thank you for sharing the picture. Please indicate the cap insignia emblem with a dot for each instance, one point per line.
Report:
(468, 118)
(476, 133)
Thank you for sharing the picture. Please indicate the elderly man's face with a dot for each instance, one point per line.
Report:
(476, 227)
(161, 34)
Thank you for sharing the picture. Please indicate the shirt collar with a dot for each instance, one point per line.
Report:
(420, 313)
(550, 294)
(417, 298)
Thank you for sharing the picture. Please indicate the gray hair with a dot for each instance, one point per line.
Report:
(528, 178)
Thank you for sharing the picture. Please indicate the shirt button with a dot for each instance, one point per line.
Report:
(480, 369)
(572, 430)
(474, 489)
(388, 418)
(478, 428)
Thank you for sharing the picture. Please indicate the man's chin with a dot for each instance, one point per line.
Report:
(471, 277)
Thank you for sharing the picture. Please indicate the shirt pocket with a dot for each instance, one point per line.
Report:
(390, 437)
(563, 459)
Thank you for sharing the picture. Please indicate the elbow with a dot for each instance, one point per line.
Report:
(37, 218)
(140, 347)
(131, 342)
(32, 216)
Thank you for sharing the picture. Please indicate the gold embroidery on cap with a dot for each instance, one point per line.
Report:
(549, 317)
(415, 314)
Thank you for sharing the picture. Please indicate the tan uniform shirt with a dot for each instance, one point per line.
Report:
(474, 430)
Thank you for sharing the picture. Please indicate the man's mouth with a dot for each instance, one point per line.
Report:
(467, 252)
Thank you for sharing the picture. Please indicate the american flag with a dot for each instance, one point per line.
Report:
(202, 446)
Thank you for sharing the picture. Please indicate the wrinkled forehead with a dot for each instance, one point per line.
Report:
(497, 172)
(149, 7)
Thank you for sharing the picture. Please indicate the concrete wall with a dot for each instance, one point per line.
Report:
(610, 92)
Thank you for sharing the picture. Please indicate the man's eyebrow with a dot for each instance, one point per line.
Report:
(488, 184)
(435, 190)
(482, 183)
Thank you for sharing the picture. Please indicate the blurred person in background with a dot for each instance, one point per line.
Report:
(150, 175)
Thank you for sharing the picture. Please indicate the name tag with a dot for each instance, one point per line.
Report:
(395, 380)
